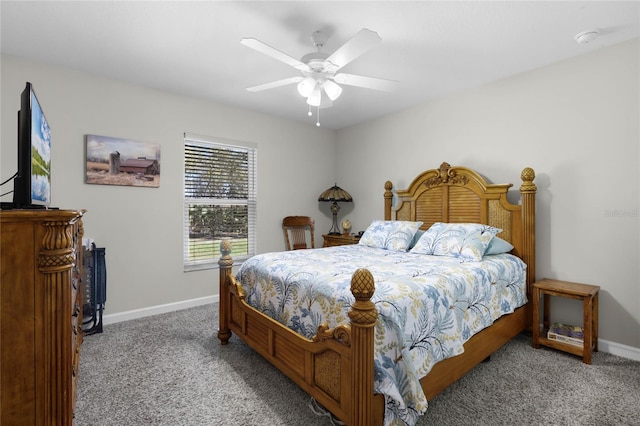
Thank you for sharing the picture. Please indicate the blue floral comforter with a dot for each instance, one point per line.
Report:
(429, 306)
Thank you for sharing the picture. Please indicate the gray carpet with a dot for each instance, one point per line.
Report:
(171, 370)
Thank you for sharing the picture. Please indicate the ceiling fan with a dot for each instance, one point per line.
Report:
(320, 70)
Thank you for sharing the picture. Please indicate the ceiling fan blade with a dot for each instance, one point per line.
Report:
(276, 83)
(358, 44)
(366, 82)
(274, 53)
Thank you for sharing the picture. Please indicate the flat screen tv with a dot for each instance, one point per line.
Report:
(32, 184)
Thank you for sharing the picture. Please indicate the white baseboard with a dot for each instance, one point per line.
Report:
(606, 346)
(619, 349)
(155, 310)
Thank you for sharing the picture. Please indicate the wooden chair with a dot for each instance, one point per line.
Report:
(296, 229)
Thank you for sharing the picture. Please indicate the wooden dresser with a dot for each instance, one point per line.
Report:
(40, 315)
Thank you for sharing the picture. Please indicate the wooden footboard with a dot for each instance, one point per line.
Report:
(336, 368)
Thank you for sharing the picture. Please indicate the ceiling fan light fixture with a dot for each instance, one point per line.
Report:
(332, 90)
(325, 102)
(306, 86)
(315, 98)
(319, 69)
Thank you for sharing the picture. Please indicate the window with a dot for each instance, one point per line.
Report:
(219, 200)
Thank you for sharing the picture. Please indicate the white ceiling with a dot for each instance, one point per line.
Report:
(433, 48)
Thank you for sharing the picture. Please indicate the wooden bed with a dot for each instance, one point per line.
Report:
(337, 366)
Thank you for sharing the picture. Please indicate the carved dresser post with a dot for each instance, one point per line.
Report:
(226, 263)
(56, 259)
(363, 315)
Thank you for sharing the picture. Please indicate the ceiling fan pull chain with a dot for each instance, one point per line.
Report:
(318, 116)
(309, 113)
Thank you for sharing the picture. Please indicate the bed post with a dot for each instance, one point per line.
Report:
(528, 191)
(226, 263)
(363, 315)
(388, 199)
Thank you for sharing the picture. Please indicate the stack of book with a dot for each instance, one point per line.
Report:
(571, 334)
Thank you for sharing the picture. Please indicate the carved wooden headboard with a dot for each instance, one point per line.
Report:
(459, 194)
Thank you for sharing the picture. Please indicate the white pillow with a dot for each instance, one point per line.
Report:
(395, 235)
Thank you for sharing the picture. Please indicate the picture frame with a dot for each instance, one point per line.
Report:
(125, 162)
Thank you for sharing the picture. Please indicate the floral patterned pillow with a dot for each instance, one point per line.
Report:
(395, 235)
(466, 241)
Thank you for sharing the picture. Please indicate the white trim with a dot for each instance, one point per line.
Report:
(619, 349)
(156, 310)
(214, 139)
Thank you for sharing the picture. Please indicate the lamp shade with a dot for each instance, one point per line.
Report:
(315, 98)
(306, 86)
(332, 90)
(335, 193)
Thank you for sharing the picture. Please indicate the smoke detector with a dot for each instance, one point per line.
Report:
(586, 36)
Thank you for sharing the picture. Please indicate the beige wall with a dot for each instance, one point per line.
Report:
(141, 228)
(576, 123)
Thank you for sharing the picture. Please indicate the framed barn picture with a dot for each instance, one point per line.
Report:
(116, 161)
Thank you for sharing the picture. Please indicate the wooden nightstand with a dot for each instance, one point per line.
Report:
(340, 240)
(589, 296)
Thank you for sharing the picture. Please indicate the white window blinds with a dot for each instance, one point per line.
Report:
(219, 200)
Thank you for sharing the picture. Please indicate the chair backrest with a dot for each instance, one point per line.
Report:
(296, 229)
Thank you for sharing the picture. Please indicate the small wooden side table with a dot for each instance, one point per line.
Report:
(331, 240)
(589, 296)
